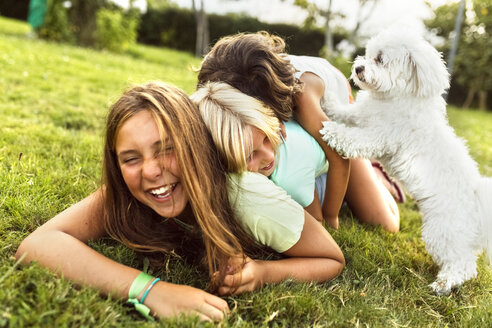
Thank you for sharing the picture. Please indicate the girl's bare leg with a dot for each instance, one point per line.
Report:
(368, 199)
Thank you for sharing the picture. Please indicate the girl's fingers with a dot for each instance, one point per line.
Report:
(228, 285)
(241, 289)
(224, 290)
(232, 291)
(203, 317)
(234, 279)
(211, 312)
(218, 303)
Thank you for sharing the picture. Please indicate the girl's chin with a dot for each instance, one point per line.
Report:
(170, 211)
(169, 214)
(268, 172)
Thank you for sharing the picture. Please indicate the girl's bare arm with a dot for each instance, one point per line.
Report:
(60, 245)
(310, 115)
(315, 257)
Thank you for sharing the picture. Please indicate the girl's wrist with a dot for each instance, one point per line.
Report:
(263, 270)
(138, 292)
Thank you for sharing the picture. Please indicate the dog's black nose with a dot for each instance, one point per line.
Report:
(359, 69)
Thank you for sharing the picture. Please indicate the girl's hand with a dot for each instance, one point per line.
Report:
(332, 222)
(169, 300)
(240, 279)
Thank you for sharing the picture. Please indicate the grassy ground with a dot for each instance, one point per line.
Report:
(53, 100)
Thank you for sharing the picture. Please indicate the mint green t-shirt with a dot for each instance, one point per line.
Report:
(300, 160)
(265, 211)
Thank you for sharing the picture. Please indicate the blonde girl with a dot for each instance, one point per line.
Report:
(250, 137)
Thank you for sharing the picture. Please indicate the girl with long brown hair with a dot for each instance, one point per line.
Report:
(166, 190)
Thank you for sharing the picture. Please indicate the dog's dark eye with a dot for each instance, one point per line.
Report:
(379, 58)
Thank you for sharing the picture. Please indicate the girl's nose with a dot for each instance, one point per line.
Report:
(152, 169)
(267, 155)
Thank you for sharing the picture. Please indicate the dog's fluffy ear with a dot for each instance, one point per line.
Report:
(430, 75)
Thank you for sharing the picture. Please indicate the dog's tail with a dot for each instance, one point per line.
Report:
(484, 193)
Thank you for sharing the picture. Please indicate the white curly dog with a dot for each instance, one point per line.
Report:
(400, 119)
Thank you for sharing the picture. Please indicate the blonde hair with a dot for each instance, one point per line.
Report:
(229, 115)
(202, 175)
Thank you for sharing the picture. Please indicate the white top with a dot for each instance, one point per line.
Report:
(334, 80)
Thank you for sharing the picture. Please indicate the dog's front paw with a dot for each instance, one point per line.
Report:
(331, 134)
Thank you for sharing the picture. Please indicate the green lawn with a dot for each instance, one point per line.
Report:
(53, 102)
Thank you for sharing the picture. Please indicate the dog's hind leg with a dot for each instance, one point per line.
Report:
(484, 195)
(451, 245)
(454, 274)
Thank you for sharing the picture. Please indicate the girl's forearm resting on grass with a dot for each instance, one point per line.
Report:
(60, 246)
(315, 257)
(76, 261)
(256, 273)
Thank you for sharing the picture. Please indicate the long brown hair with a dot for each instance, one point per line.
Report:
(202, 175)
(255, 64)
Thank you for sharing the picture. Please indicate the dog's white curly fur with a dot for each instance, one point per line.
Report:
(400, 119)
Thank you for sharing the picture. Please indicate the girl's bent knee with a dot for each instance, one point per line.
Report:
(393, 226)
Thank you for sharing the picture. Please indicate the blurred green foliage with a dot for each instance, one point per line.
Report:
(56, 26)
(473, 64)
(116, 31)
(91, 23)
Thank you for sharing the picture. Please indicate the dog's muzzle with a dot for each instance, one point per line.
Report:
(359, 71)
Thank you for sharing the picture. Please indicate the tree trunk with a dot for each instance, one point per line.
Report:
(363, 5)
(469, 97)
(202, 33)
(83, 17)
(205, 31)
(328, 35)
(482, 100)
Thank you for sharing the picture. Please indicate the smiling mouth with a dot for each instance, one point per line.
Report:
(268, 167)
(164, 191)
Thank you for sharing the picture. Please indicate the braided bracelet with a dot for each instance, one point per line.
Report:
(136, 288)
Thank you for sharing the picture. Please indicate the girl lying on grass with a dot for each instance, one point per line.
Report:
(165, 190)
(257, 65)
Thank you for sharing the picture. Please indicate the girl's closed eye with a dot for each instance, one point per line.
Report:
(130, 160)
(168, 150)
